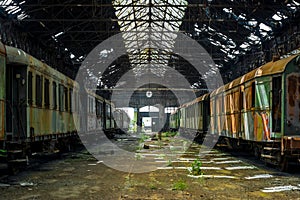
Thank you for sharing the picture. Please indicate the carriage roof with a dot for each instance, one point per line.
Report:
(270, 68)
(20, 57)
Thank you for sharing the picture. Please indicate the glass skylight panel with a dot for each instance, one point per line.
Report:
(231, 44)
(58, 34)
(245, 46)
(197, 30)
(236, 52)
(242, 16)
(11, 7)
(294, 5)
(149, 27)
(227, 10)
(216, 43)
(231, 56)
(263, 33)
(253, 37)
(276, 17)
(211, 29)
(264, 27)
(223, 50)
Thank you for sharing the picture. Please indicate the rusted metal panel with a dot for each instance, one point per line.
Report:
(265, 70)
(56, 121)
(248, 96)
(293, 104)
(213, 125)
(219, 119)
(290, 143)
(230, 121)
(236, 82)
(218, 91)
(228, 127)
(269, 68)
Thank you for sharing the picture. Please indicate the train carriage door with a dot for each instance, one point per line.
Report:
(276, 104)
(16, 95)
(263, 89)
(107, 116)
(292, 104)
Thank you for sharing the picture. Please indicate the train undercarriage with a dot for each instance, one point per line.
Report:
(278, 152)
(16, 153)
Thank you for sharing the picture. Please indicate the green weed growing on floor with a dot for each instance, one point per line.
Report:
(196, 168)
(169, 163)
(169, 134)
(179, 185)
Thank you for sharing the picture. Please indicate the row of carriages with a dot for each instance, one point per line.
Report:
(39, 106)
(259, 111)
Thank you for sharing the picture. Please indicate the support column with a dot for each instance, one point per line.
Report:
(138, 121)
(162, 117)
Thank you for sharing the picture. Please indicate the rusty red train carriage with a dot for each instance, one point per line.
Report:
(259, 111)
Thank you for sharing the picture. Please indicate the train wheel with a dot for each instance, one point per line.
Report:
(283, 165)
(257, 151)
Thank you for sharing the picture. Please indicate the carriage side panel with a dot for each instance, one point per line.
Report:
(2, 92)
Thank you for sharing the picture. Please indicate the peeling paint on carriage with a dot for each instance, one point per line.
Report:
(293, 101)
(261, 109)
(44, 120)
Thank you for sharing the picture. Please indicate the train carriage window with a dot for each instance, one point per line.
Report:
(91, 106)
(237, 102)
(46, 93)
(242, 106)
(88, 105)
(38, 93)
(54, 95)
(263, 94)
(99, 109)
(200, 106)
(61, 97)
(253, 94)
(66, 99)
(30, 88)
(222, 106)
(107, 110)
(75, 101)
(70, 100)
(242, 99)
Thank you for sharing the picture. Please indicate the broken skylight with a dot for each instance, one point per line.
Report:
(12, 7)
(148, 28)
